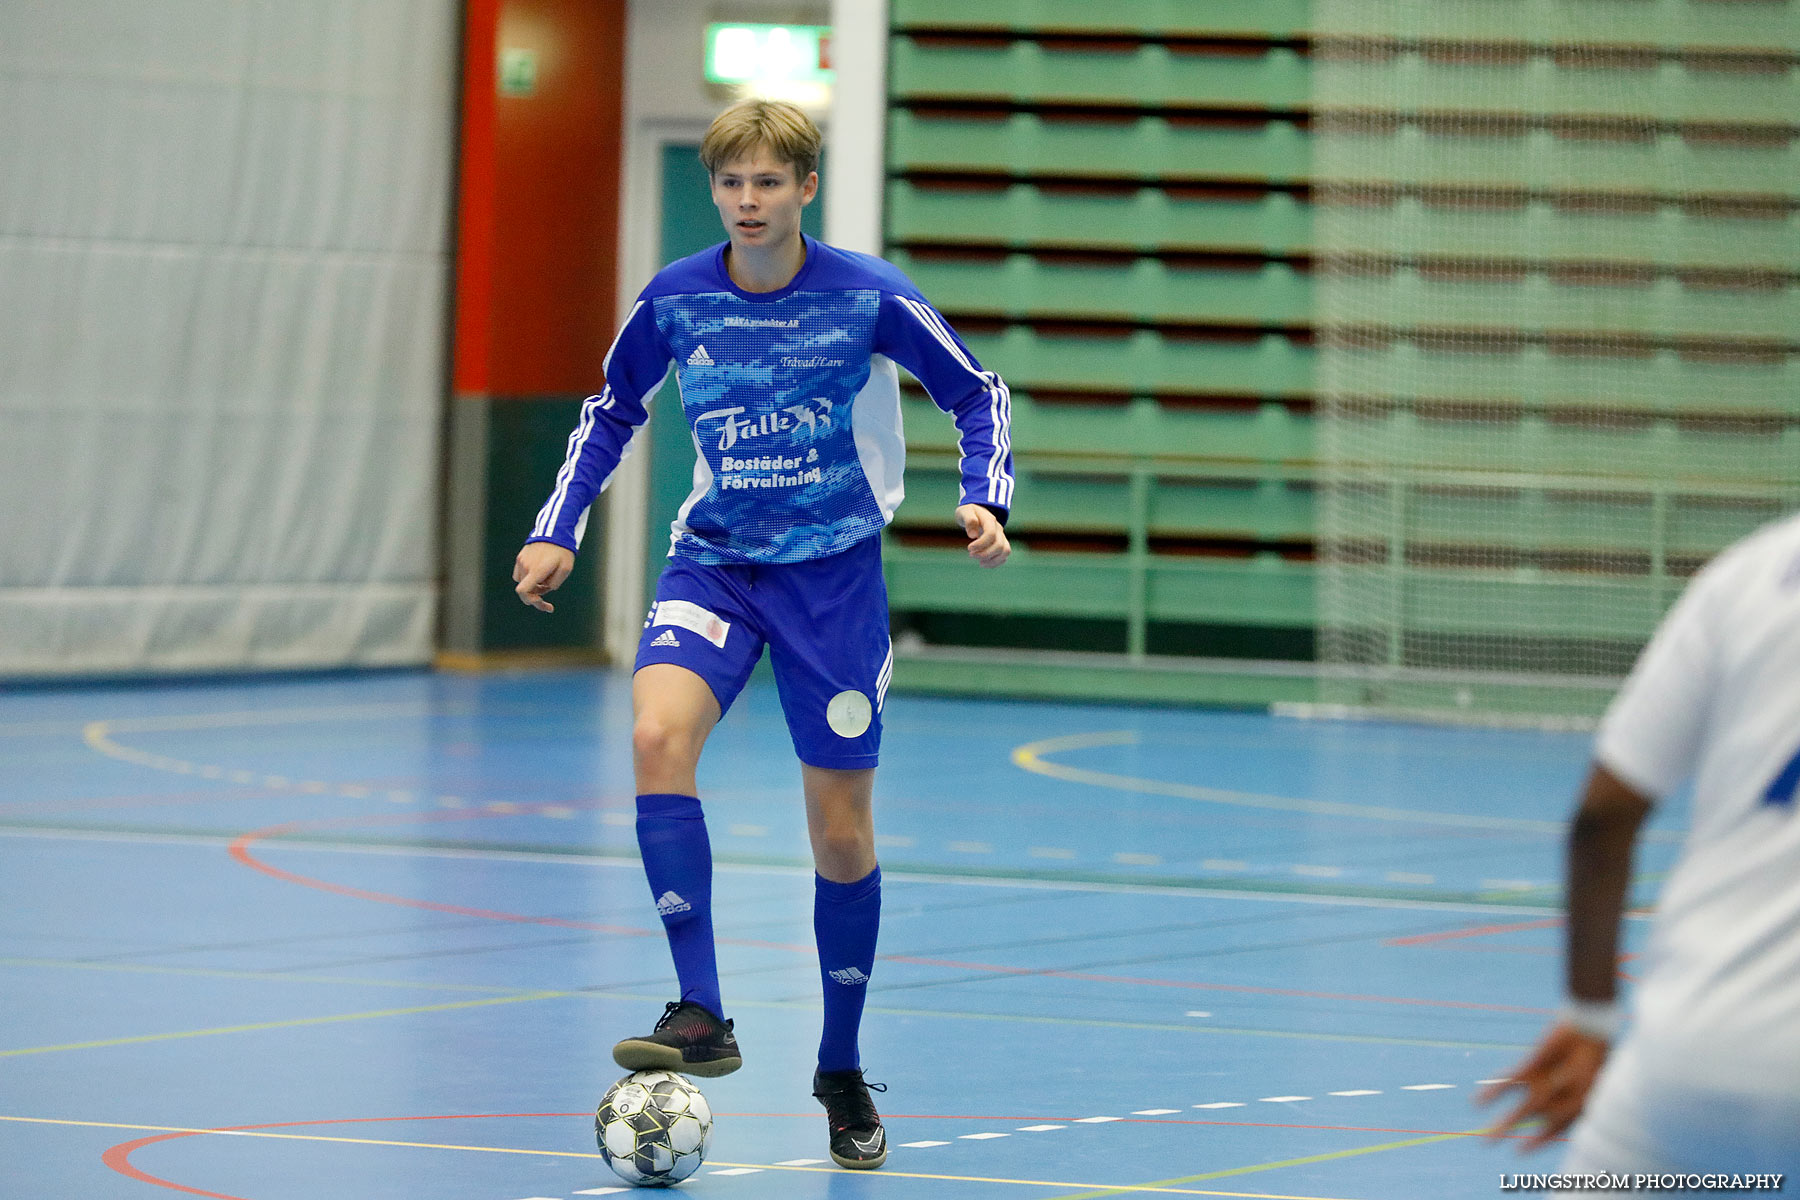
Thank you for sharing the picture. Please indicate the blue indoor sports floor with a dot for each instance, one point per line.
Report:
(373, 936)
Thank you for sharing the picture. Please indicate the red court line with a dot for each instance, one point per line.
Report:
(240, 850)
(119, 1157)
(1423, 939)
(1450, 935)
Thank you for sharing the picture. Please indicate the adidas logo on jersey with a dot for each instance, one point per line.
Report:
(669, 904)
(700, 358)
(849, 976)
(666, 638)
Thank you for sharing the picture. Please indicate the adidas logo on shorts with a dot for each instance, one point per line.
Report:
(700, 358)
(666, 638)
(669, 903)
(849, 976)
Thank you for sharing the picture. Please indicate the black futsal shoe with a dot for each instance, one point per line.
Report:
(857, 1139)
(688, 1039)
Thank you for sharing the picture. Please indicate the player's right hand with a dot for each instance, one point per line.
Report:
(541, 567)
(1556, 1080)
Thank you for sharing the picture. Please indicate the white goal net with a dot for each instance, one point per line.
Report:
(1558, 332)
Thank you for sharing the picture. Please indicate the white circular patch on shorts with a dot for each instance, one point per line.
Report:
(849, 714)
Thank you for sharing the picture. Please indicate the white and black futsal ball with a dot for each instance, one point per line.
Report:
(654, 1128)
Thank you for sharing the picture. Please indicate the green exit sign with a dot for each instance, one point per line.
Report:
(762, 55)
(518, 71)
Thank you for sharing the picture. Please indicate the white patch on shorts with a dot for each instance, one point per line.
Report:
(688, 615)
(849, 714)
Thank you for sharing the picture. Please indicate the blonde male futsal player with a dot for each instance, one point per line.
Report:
(1708, 1079)
(785, 351)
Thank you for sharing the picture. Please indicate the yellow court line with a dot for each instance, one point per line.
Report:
(1030, 757)
(190, 722)
(782, 1005)
(296, 1022)
(99, 737)
(1105, 1190)
(1287, 1162)
(262, 976)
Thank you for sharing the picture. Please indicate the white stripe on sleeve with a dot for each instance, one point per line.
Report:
(551, 513)
(1000, 481)
(547, 516)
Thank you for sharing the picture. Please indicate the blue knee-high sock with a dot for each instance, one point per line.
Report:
(846, 918)
(671, 833)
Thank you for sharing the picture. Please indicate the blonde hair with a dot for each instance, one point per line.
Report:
(750, 125)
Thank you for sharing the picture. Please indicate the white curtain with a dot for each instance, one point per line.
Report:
(223, 261)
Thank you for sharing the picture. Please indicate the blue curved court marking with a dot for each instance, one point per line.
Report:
(1062, 955)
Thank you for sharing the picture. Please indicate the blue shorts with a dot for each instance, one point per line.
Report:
(825, 623)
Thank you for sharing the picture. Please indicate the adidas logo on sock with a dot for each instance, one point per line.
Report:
(700, 358)
(669, 903)
(666, 638)
(849, 976)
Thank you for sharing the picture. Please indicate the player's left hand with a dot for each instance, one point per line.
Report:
(987, 539)
(1556, 1080)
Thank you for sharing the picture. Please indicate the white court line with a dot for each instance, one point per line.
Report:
(300, 841)
(98, 735)
(1032, 757)
(1165, 1112)
(1062, 1185)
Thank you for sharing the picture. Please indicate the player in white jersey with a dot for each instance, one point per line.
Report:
(1707, 1080)
(785, 352)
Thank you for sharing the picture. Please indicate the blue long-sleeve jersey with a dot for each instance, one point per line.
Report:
(793, 400)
